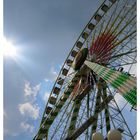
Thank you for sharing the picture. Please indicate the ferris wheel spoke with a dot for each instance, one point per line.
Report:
(93, 100)
(132, 64)
(111, 26)
(122, 18)
(111, 17)
(84, 111)
(134, 136)
(76, 109)
(63, 118)
(126, 25)
(123, 39)
(125, 53)
(107, 118)
(117, 17)
(113, 58)
(65, 126)
(123, 61)
(121, 115)
(115, 43)
(98, 100)
(113, 46)
(126, 44)
(91, 120)
(56, 110)
(100, 31)
(124, 64)
(101, 28)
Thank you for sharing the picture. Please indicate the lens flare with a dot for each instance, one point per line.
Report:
(9, 49)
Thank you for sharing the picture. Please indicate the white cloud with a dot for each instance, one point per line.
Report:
(31, 91)
(46, 80)
(27, 127)
(46, 96)
(10, 132)
(53, 73)
(29, 110)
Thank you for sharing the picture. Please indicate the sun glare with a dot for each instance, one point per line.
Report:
(9, 49)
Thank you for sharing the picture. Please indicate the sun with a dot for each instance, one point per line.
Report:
(9, 50)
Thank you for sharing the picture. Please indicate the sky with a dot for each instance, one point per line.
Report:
(43, 31)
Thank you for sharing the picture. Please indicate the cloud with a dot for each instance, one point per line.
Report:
(31, 91)
(10, 127)
(53, 73)
(27, 127)
(46, 96)
(10, 132)
(46, 80)
(29, 110)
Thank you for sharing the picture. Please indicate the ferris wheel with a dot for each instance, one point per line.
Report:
(81, 104)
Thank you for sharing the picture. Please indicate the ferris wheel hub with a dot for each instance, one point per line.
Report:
(80, 58)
